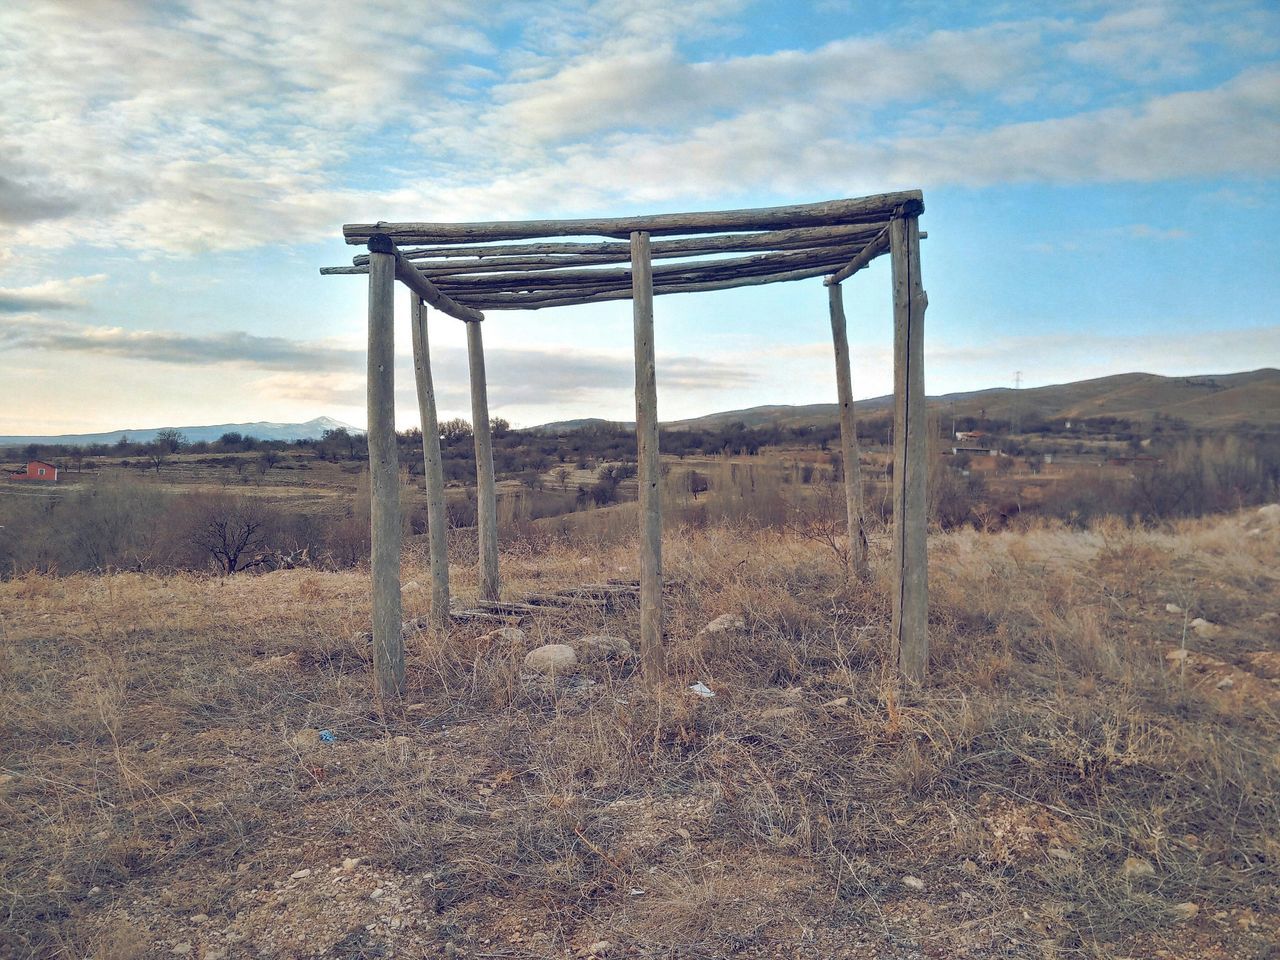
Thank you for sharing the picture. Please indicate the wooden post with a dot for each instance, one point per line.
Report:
(651, 654)
(848, 436)
(486, 494)
(433, 467)
(910, 520)
(384, 468)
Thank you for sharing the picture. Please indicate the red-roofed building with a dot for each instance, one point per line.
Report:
(38, 470)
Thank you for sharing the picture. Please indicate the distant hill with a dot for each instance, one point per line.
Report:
(1206, 401)
(263, 430)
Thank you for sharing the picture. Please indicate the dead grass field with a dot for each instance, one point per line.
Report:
(1068, 784)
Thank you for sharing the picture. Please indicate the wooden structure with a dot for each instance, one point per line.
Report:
(41, 471)
(464, 269)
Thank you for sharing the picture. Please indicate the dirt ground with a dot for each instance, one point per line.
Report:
(194, 766)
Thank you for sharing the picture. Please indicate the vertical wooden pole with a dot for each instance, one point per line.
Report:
(651, 654)
(848, 435)
(486, 494)
(433, 466)
(910, 468)
(384, 468)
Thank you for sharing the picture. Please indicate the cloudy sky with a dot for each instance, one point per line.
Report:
(1100, 180)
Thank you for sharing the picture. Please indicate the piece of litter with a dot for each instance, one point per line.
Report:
(702, 690)
(326, 736)
(637, 892)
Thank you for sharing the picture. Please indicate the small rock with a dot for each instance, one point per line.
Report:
(300, 874)
(1173, 608)
(402, 740)
(683, 834)
(1186, 911)
(551, 659)
(969, 867)
(1270, 514)
(718, 636)
(181, 949)
(725, 623)
(1058, 853)
(6, 779)
(349, 864)
(511, 635)
(214, 953)
(1137, 868)
(1204, 629)
(1177, 656)
(603, 646)
(415, 708)
(94, 891)
(377, 894)
(913, 883)
(600, 948)
(200, 918)
(836, 704)
(1226, 683)
(411, 586)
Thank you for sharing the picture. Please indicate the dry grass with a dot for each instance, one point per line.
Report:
(160, 743)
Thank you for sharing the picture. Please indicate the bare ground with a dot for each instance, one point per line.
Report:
(1068, 784)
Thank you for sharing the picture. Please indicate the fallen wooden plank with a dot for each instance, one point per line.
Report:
(509, 608)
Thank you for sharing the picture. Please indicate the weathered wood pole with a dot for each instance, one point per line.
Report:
(910, 630)
(384, 469)
(433, 466)
(651, 653)
(486, 494)
(848, 436)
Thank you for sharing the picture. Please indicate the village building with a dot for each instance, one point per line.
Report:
(38, 470)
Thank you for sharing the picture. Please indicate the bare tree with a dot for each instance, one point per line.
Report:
(230, 530)
(171, 441)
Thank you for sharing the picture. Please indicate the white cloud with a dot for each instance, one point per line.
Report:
(60, 294)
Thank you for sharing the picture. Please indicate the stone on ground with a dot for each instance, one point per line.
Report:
(1137, 868)
(551, 659)
(603, 646)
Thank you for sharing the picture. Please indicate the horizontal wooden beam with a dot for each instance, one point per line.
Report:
(694, 270)
(409, 275)
(827, 213)
(662, 249)
(571, 297)
(879, 245)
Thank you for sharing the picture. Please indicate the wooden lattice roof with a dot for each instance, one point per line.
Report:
(465, 268)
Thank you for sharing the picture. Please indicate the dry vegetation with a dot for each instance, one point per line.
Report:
(165, 782)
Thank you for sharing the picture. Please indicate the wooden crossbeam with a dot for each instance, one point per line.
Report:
(827, 213)
(543, 299)
(661, 249)
(879, 245)
(409, 275)
(687, 272)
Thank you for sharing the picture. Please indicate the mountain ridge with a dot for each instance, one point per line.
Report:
(311, 429)
(1203, 400)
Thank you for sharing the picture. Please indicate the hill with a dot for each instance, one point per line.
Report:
(263, 430)
(1205, 401)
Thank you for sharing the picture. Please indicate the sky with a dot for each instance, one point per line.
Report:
(1101, 184)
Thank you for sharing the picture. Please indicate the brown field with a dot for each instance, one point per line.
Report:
(1069, 783)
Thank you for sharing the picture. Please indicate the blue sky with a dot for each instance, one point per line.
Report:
(1100, 183)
